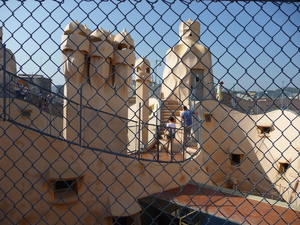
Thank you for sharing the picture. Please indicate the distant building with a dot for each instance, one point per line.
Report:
(59, 89)
(36, 83)
(249, 96)
(58, 98)
(252, 94)
(7, 65)
(263, 99)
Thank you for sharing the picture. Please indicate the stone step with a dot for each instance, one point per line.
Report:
(170, 101)
(170, 108)
(168, 114)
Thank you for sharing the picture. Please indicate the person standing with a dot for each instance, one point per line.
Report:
(23, 91)
(26, 92)
(47, 102)
(187, 121)
(219, 91)
(171, 127)
(40, 97)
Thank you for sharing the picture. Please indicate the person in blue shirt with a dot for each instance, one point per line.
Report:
(187, 121)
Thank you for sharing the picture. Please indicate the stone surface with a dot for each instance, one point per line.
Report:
(183, 61)
(97, 67)
(7, 62)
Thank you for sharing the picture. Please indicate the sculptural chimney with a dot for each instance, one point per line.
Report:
(188, 74)
(98, 67)
(142, 78)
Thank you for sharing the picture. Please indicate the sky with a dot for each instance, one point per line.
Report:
(255, 45)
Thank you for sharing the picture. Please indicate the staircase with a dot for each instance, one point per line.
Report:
(170, 108)
(173, 108)
(132, 100)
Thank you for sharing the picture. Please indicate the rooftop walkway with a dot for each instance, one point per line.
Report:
(195, 204)
(164, 156)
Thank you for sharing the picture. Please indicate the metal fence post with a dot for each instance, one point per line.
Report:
(157, 138)
(139, 131)
(4, 82)
(80, 117)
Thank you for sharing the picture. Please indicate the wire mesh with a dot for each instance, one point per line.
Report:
(87, 92)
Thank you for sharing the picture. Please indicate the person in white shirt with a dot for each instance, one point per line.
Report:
(171, 127)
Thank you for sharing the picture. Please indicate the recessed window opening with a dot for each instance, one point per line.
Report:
(65, 185)
(122, 46)
(283, 167)
(25, 113)
(96, 39)
(264, 129)
(236, 159)
(207, 117)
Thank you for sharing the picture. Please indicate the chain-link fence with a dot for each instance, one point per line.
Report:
(116, 112)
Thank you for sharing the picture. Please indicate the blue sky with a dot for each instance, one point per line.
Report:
(254, 45)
